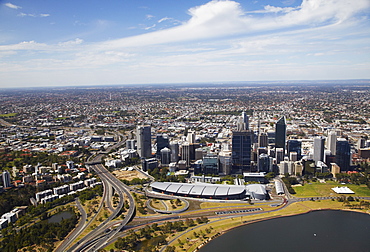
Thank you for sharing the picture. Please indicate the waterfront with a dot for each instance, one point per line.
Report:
(315, 231)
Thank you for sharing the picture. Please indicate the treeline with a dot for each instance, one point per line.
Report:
(135, 181)
(42, 233)
(16, 197)
(151, 238)
(289, 181)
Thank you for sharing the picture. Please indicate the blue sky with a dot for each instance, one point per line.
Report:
(57, 43)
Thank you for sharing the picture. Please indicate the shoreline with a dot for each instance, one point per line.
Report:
(270, 218)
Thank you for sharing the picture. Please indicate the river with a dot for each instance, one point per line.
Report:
(327, 230)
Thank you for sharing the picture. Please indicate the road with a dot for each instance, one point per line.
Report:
(100, 235)
(76, 232)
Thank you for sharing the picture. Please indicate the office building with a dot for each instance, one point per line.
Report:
(165, 155)
(144, 144)
(6, 179)
(264, 163)
(343, 154)
(318, 149)
(210, 164)
(242, 150)
(332, 142)
(263, 140)
(294, 146)
(225, 160)
(280, 133)
(174, 146)
(162, 142)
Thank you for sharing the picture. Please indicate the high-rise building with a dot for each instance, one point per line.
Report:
(210, 164)
(225, 159)
(241, 149)
(332, 142)
(263, 139)
(191, 137)
(243, 122)
(280, 133)
(318, 149)
(263, 163)
(6, 179)
(144, 144)
(343, 154)
(130, 144)
(295, 146)
(174, 146)
(162, 142)
(165, 156)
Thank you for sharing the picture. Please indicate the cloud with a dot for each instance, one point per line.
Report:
(217, 19)
(77, 41)
(12, 6)
(22, 14)
(149, 16)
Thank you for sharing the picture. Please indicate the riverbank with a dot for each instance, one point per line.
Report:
(194, 239)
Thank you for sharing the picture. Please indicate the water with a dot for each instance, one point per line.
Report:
(60, 216)
(316, 231)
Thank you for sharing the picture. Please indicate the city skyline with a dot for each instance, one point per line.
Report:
(95, 43)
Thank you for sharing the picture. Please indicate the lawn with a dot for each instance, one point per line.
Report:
(317, 189)
(8, 115)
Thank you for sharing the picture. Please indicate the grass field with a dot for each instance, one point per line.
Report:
(317, 189)
(8, 115)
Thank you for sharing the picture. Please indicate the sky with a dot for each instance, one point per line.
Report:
(78, 42)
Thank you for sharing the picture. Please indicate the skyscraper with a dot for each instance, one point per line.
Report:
(295, 146)
(162, 142)
(144, 144)
(6, 179)
(225, 160)
(263, 139)
(343, 154)
(318, 149)
(280, 133)
(241, 149)
(332, 142)
(243, 122)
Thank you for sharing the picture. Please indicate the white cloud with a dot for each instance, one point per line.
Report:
(12, 6)
(77, 41)
(149, 16)
(22, 14)
(225, 18)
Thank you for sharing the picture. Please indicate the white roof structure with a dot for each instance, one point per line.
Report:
(210, 190)
(343, 189)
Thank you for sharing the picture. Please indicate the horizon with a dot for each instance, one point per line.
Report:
(77, 43)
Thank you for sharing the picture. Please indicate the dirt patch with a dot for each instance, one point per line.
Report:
(129, 175)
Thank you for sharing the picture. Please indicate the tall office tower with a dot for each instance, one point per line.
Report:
(199, 153)
(210, 164)
(280, 133)
(225, 160)
(343, 154)
(6, 179)
(295, 146)
(263, 140)
(165, 156)
(185, 153)
(318, 149)
(243, 122)
(279, 152)
(191, 137)
(242, 150)
(162, 142)
(174, 146)
(263, 163)
(332, 142)
(144, 141)
(271, 136)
